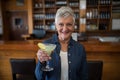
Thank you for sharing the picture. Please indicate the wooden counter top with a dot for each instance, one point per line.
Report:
(17, 45)
(108, 52)
(90, 45)
(101, 46)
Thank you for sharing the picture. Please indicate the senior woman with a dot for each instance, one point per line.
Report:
(69, 57)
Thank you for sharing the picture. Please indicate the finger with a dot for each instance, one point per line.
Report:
(42, 59)
(38, 52)
(44, 54)
(41, 53)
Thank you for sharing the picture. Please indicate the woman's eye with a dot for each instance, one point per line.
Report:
(69, 24)
(60, 24)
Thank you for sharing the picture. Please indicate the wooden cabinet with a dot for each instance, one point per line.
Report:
(44, 12)
(99, 15)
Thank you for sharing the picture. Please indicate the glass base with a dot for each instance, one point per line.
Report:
(47, 68)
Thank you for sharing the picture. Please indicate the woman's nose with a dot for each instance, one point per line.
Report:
(64, 28)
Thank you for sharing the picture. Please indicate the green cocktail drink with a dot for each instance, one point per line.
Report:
(48, 48)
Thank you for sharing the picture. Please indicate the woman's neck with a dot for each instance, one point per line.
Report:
(64, 41)
(64, 44)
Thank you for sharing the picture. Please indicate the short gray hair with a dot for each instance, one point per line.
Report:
(64, 12)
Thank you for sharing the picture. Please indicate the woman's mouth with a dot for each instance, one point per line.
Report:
(64, 34)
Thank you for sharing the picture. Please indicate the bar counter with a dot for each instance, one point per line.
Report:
(108, 52)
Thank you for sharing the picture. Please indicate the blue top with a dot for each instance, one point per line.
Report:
(77, 64)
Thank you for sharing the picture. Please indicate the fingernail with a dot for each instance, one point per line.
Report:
(49, 57)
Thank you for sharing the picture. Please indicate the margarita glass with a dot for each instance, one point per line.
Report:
(48, 48)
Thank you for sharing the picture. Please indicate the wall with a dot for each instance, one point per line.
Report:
(12, 5)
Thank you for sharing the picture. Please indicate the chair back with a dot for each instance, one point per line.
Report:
(95, 70)
(23, 69)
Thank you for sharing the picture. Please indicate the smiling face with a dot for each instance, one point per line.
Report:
(65, 27)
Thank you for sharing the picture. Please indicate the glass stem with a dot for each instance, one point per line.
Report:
(47, 66)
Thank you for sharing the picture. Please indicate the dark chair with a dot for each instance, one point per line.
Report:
(23, 69)
(95, 70)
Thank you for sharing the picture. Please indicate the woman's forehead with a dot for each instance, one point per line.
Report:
(65, 19)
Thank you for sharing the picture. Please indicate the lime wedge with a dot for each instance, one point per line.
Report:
(41, 46)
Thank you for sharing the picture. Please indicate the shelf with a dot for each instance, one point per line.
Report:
(50, 19)
(92, 6)
(106, 5)
(44, 11)
(104, 19)
(38, 12)
(92, 19)
(38, 7)
(97, 31)
(73, 0)
(99, 15)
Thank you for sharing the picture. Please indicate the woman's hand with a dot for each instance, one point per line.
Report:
(42, 56)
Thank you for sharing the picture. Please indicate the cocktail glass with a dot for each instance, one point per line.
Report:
(48, 48)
